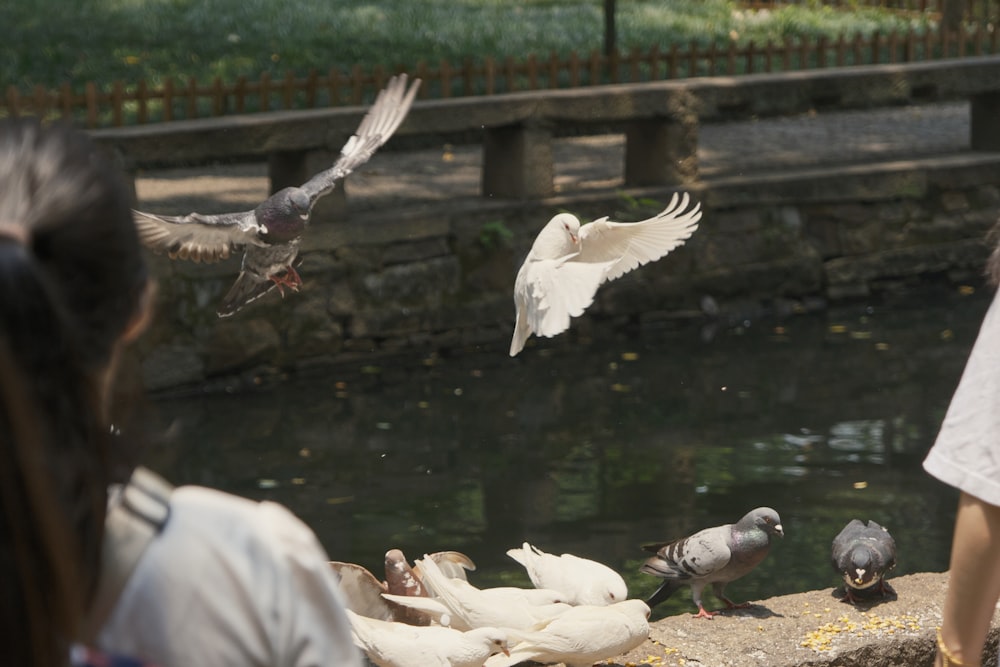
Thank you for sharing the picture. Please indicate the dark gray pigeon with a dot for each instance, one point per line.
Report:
(863, 555)
(271, 232)
(714, 556)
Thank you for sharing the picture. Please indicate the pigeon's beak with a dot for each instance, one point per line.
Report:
(506, 651)
(574, 238)
(779, 530)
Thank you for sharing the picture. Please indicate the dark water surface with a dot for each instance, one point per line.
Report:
(596, 445)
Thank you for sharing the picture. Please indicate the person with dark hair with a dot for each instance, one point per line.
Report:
(966, 455)
(91, 549)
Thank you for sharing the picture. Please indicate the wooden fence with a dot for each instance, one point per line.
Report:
(122, 104)
(970, 10)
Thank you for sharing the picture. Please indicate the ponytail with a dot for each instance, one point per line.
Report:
(71, 275)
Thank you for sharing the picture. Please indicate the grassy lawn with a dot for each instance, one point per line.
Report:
(49, 42)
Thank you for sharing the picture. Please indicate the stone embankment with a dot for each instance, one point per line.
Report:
(798, 212)
(812, 629)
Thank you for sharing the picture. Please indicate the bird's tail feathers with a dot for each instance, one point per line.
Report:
(666, 589)
(654, 547)
(248, 288)
(521, 333)
(657, 567)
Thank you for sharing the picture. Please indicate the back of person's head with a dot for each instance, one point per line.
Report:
(72, 279)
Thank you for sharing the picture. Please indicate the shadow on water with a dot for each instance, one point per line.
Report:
(597, 445)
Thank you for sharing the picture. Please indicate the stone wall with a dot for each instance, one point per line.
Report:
(812, 629)
(432, 277)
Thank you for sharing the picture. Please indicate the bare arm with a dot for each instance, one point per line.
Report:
(974, 580)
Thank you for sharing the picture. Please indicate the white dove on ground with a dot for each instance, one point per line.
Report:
(581, 580)
(568, 262)
(461, 605)
(714, 556)
(271, 233)
(581, 636)
(389, 644)
(500, 597)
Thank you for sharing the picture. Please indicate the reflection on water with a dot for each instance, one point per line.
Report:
(596, 445)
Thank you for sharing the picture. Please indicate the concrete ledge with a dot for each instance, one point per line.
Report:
(661, 120)
(810, 629)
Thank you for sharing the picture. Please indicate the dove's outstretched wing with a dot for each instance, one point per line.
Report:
(200, 238)
(629, 245)
(383, 118)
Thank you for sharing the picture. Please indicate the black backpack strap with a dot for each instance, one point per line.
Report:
(136, 514)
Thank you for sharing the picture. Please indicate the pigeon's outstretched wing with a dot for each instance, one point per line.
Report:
(197, 237)
(386, 114)
(629, 245)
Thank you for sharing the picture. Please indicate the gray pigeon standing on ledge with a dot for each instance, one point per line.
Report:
(271, 232)
(863, 555)
(714, 556)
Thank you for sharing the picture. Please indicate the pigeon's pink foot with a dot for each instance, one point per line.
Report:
(289, 279)
(732, 605)
(705, 614)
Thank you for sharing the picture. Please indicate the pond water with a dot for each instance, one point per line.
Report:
(595, 443)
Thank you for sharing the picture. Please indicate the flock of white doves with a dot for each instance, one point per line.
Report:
(578, 612)
(429, 614)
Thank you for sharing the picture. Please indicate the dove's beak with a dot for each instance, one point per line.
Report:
(574, 238)
(779, 530)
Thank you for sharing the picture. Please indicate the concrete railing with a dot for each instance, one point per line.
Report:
(660, 121)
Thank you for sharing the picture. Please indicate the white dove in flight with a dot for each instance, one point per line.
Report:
(569, 261)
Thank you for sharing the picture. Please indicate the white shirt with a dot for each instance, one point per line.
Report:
(231, 583)
(966, 454)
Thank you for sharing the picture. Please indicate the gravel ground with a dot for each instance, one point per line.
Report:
(394, 178)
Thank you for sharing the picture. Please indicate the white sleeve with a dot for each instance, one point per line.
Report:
(313, 629)
(231, 582)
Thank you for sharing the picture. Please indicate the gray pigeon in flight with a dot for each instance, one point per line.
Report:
(714, 556)
(863, 555)
(271, 233)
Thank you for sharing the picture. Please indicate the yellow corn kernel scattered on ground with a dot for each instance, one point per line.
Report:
(821, 639)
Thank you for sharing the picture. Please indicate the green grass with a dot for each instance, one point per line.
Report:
(50, 42)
